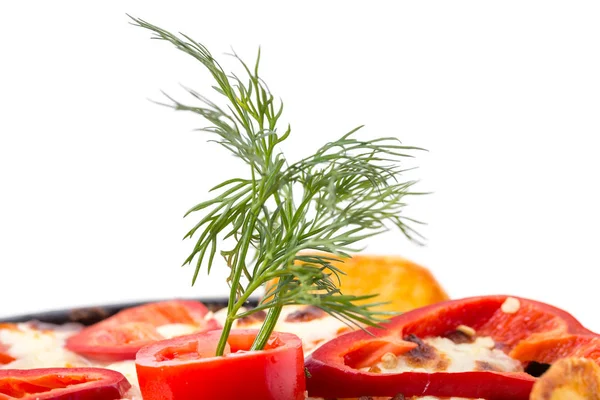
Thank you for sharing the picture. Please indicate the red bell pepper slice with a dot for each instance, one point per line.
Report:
(120, 336)
(186, 367)
(62, 384)
(533, 331)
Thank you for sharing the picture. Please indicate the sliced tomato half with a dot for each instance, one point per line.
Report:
(62, 384)
(120, 336)
(186, 367)
(6, 358)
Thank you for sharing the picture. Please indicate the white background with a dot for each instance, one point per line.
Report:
(504, 95)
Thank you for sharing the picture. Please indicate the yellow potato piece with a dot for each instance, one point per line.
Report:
(403, 283)
(569, 379)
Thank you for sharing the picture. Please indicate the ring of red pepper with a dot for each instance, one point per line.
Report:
(533, 332)
(62, 384)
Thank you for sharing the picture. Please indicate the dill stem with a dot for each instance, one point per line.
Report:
(267, 327)
(235, 282)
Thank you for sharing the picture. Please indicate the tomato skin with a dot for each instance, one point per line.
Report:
(5, 358)
(120, 336)
(62, 384)
(529, 331)
(172, 370)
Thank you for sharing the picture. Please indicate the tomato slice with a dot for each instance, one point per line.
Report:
(119, 337)
(6, 358)
(62, 384)
(185, 368)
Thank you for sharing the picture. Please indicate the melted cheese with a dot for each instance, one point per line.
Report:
(38, 346)
(127, 368)
(169, 331)
(313, 332)
(41, 348)
(463, 357)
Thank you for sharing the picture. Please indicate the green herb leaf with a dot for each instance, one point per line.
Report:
(347, 191)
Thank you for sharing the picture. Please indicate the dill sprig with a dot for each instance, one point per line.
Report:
(288, 221)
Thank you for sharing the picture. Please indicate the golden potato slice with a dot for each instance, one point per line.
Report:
(403, 283)
(569, 379)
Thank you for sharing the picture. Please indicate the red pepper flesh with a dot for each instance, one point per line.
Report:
(532, 332)
(62, 384)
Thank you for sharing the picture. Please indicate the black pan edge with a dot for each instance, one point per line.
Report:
(91, 315)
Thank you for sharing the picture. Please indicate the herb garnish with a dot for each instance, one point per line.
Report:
(327, 202)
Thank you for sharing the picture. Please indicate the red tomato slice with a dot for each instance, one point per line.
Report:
(62, 384)
(5, 358)
(119, 337)
(185, 368)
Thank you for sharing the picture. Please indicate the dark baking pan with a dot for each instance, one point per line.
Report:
(93, 314)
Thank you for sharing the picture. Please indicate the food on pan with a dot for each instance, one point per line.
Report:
(291, 223)
(471, 348)
(399, 283)
(474, 348)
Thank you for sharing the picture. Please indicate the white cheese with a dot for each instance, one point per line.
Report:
(313, 333)
(40, 348)
(169, 331)
(510, 305)
(127, 368)
(460, 357)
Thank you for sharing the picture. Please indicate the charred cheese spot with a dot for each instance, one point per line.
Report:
(459, 337)
(252, 319)
(437, 354)
(425, 356)
(485, 366)
(310, 323)
(462, 334)
(306, 314)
